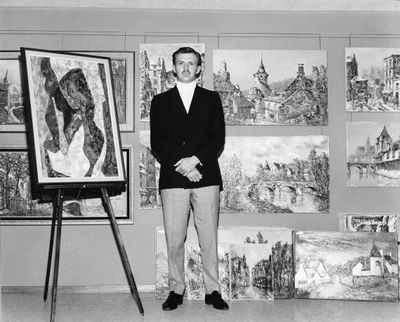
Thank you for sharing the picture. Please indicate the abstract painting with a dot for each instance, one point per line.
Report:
(73, 119)
(372, 79)
(12, 112)
(346, 265)
(149, 174)
(373, 154)
(18, 206)
(156, 75)
(272, 87)
(269, 253)
(275, 174)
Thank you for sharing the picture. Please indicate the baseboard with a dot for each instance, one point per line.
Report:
(77, 289)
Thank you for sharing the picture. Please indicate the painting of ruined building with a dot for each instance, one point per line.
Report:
(272, 87)
(156, 75)
(19, 206)
(272, 278)
(73, 119)
(372, 79)
(285, 174)
(12, 112)
(149, 174)
(373, 154)
(370, 222)
(346, 265)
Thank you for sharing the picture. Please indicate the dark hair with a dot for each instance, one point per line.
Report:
(186, 50)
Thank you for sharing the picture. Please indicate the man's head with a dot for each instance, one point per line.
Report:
(186, 64)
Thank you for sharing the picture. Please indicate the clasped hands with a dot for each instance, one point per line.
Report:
(187, 168)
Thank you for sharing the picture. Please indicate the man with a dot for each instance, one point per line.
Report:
(187, 134)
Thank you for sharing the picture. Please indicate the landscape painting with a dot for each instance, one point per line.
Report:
(74, 125)
(251, 272)
(373, 154)
(12, 112)
(372, 79)
(275, 174)
(156, 74)
(272, 87)
(17, 205)
(370, 222)
(346, 265)
(149, 174)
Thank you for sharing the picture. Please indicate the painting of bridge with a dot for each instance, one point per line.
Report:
(271, 174)
(373, 154)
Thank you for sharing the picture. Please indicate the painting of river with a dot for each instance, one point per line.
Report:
(346, 265)
(373, 154)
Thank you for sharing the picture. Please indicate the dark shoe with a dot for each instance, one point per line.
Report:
(172, 301)
(216, 300)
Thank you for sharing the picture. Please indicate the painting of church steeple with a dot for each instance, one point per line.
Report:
(272, 87)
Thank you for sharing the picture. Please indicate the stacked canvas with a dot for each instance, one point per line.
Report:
(255, 263)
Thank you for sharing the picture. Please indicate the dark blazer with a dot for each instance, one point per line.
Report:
(176, 134)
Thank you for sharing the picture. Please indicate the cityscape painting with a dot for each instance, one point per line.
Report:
(149, 174)
(370, 222)
(19, 206)
(272, 87)
(275, 174)
(372, 79)
(373, 154)
(266, 271)
(156, 74)
(346, 265)
(12, 112)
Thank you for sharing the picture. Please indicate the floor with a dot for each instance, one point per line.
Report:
(115, 307)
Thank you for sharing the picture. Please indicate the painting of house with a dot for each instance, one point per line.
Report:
(271, 174)
(372, 79)
(272, 87)
(373, 154)
(149, 174)
(156, 74)
(346, 265)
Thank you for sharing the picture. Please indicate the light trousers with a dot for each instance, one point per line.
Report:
(176, 204)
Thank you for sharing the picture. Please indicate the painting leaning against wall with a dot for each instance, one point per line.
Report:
(346, 265)
(17, 205)
(275, 174)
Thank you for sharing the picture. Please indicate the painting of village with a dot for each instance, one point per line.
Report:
(372, 79)
(17, 205)
(156, 75)
(255, 263)
(11, 101)
(275, 174)
(346, 265)
(373, 154)
(149, 174)
(272, 87)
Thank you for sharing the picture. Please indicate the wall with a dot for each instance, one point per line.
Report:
(88, 254)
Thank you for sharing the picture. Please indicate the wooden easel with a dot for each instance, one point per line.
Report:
(57, 217)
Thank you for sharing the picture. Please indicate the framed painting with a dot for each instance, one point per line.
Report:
(373, 154)
(275, 174)
(372, 79)
(346, 265)
(72, 116)
(19, 207)
(156, 75)
(12, 111)
(123, 71)
(272, 87)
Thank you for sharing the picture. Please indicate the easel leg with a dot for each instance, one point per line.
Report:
(57, 211)
(121, 249)
(50, 256)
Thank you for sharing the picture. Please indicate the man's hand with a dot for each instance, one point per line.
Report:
(194, 175)
(185, 165)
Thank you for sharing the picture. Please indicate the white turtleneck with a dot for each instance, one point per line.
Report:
(186, 91)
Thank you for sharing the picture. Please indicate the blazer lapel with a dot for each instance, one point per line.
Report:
(177, 102)
(195, 103)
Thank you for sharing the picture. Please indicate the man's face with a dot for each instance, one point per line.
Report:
(186, 67)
